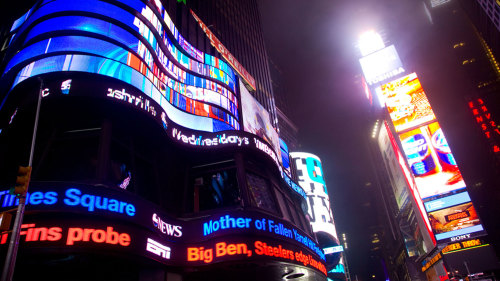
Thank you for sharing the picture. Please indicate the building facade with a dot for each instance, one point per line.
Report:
(155, 155)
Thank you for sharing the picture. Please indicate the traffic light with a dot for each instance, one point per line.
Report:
(22, 181)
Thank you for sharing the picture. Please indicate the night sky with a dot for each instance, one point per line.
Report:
(313, 43)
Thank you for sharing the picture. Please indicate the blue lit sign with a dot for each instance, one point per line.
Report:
(74, 197)
(261, 225)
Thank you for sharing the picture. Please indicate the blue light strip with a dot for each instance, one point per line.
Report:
(458, 232)
(446, 202)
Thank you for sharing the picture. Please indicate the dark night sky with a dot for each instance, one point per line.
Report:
(314, 45)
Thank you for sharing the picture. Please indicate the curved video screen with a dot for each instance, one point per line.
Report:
(156, 38)
(172, 104)
(88, 45)
(183, 90)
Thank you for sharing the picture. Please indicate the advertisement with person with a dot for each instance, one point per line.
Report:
(431, 161)
(406, 102)
(256, 120)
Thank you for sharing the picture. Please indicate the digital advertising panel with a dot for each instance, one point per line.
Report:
(256, 119)
(144, 54)
(431, 161)
(381, 65)
(406, 102)
(455, 221)
(439, 183)
(285, 157)
(311, 178)
(310, 174)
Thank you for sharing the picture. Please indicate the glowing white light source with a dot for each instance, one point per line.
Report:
(370, 42)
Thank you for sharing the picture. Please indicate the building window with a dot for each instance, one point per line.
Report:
(215, 189)
(259, 193)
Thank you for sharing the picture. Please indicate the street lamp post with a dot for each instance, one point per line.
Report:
(10, 260)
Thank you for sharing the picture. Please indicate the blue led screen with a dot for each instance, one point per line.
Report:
(133, 22)
(107, 67)
(111, 51)
(183, 90)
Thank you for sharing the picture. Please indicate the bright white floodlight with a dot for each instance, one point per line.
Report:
(370, 42)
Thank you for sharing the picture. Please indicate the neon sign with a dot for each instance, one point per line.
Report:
(487, 124)
(459, 246)
(137, 101)
(74, 197)
(73, 235)
(158, 249)
(199, 140)
(166, 228)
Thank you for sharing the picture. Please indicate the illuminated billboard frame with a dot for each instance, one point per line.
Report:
(429, 157)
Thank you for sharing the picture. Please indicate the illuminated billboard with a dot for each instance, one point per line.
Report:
(256, 119)
(439, 183)
(455, 221)
(311, 178)
(406, 102)
(150, 69)
(396, 176)
(310, 175)
(431, 161)
(381, 65)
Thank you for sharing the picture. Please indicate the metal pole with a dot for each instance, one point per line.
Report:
(467, 267)
(10, 260)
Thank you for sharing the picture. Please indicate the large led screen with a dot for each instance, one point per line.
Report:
(454, 221)
(406, 102)
(256, 119)
(127, 40)
(431, 161)
(311, 179)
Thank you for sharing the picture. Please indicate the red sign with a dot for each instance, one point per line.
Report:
(486, 123)
(226, 54)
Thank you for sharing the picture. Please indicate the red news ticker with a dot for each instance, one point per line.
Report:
(221, 249)
(74, 234)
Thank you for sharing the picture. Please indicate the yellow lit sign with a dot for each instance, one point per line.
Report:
(474, 243)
